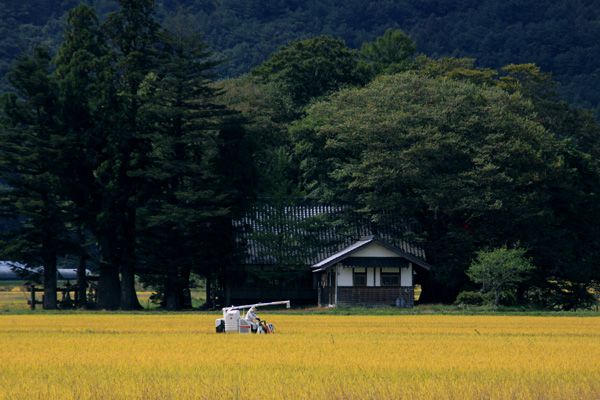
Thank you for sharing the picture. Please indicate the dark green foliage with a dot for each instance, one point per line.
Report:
(30, 145)
(469, 161)
(121, 146)
(469, 298)
(573, 194)
(561, 295)
(310, 68)
(83, 73)
(462, 69)
(266, 111)
(500, 269)
(185, 172)
(133, 33)
(389, 54)
(559, 36)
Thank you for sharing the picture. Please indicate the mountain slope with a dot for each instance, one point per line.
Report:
(561, 36)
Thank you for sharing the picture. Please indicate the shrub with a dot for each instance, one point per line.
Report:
(469, 298)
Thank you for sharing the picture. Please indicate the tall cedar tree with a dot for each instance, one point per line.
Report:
(182, 118)
(30, 144)
(134, 35)
(84, 79)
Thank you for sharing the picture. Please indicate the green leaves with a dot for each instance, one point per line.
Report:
(469, 162)
(500, 268)
(388, 54)
(30, 164)
(311, 68)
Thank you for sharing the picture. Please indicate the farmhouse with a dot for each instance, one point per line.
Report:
(369, 272)
(304, 254)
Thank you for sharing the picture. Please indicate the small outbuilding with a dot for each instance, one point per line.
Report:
(369, 272)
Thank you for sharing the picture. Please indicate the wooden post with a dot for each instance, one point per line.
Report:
(32, 299)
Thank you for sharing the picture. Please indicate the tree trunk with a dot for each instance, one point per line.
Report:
(50, 302)
(81, 269)
(173, 296)
(129, 299)
(431, 289)
(108, 296)
(186, 298)
(109, 288)
(81, 284)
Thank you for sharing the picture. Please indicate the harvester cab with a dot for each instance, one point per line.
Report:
(235, 322)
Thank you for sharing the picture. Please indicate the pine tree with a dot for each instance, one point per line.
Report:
(201, 169)
(30, 144)
(84, 82)
(183, 123)
(134, 35)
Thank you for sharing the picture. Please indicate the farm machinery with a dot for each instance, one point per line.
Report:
(235, 322)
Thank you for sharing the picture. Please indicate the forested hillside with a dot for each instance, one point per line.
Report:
(560, 36)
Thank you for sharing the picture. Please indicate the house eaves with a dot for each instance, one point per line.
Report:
(362, 244)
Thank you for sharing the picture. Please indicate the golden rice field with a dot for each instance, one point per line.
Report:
(178, 356)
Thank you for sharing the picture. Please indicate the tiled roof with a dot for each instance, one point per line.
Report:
(307, 234)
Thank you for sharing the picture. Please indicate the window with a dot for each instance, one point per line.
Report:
(359, 277)
(390, 277)
(390, 280)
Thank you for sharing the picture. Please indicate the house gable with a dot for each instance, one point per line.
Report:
(375, 250)
(369, 247)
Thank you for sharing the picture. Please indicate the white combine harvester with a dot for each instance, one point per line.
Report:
(234, 322)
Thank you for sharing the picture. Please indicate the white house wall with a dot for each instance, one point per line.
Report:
(373, 277)
(344, 276)
(406, 275)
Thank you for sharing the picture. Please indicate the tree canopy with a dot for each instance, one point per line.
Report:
(310, 68)
(31, 144)
(469, 161)
(388, 54)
